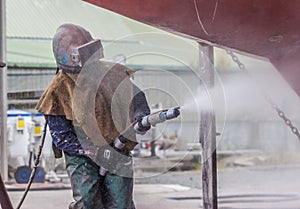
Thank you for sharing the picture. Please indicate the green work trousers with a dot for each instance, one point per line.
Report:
(91, 191)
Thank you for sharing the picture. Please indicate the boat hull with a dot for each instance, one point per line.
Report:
(268, 28)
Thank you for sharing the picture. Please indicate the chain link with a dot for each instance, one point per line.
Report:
(280, 113)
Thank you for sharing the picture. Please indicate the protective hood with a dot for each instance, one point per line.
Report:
(73, 46)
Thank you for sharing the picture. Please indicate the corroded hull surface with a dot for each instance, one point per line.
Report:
(266, 28)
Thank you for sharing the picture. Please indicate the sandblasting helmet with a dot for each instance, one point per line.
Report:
(73, 46)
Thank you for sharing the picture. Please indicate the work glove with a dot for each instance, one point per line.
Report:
(138, 116)
(57, 152)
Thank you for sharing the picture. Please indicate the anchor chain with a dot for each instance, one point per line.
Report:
(280, 113)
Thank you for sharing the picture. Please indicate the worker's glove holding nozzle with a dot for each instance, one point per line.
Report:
(138, 115)
(139, 127)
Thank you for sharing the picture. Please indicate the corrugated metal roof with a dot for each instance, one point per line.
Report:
(29, 53)
(40, 18)
(32, 23)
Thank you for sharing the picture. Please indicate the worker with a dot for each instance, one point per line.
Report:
(87, 105)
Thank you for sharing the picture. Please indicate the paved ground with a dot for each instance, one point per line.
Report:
(273, 187)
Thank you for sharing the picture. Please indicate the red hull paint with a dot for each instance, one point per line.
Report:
(267, 28)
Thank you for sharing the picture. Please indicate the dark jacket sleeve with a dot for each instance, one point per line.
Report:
(141, 107)
(63, 134)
